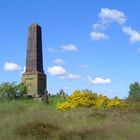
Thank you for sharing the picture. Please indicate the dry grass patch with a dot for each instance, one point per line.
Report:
(96, 133)
(38, 129)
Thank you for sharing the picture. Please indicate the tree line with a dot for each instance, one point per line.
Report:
(16, 91)
(12, 90)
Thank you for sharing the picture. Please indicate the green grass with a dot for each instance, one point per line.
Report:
(34, 120)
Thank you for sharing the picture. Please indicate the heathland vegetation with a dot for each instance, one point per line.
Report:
(84, 115)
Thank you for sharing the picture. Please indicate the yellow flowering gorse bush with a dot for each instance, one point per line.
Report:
(84, 99)
(116, 102)
(101, 102)
(87, 98)
(65, 106)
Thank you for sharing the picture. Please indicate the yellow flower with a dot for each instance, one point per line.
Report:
(65, 106)
(86, 98)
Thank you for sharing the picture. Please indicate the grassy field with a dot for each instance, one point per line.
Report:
(33, 120)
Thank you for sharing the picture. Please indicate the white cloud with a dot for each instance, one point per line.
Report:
(70, 76)
(56, 70)
(133, 34)
(105, 18)
(69, 47)
(23, 70)
(96, 36)
(10, 66)
(107, 15)
(59, 61)
(99, 80)
(61, 73)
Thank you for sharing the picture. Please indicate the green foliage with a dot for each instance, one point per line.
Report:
(61, 93)
(12, 90)
(53, 100)
(134, 92)
(22, 89)
(7, 90)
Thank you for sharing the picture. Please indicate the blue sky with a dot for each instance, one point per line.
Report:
(87, 44)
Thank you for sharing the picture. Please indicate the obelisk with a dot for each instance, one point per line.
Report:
(34, 76)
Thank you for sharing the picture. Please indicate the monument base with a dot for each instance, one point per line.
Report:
(36, 83)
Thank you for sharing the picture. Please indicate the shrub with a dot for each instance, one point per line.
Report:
(65, 106)
(7, 90)
(21, 89)
(86, 98)
(12, 90)
(82, 98)
(101, 102)
(116, 102)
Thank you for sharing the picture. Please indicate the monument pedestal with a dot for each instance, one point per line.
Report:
(36, 83)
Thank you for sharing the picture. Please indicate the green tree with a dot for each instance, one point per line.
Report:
(12, 90)
(21, 89)
(7, 90)
(61, 93)
(134, 92)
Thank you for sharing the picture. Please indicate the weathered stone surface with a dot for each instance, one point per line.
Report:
(34, 61)
(34, 76)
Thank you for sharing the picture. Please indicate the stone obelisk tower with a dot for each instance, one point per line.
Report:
(34, 76)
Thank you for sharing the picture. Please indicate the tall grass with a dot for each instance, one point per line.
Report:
(33, 120)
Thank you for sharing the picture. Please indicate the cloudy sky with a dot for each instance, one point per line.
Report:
(87, 44)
